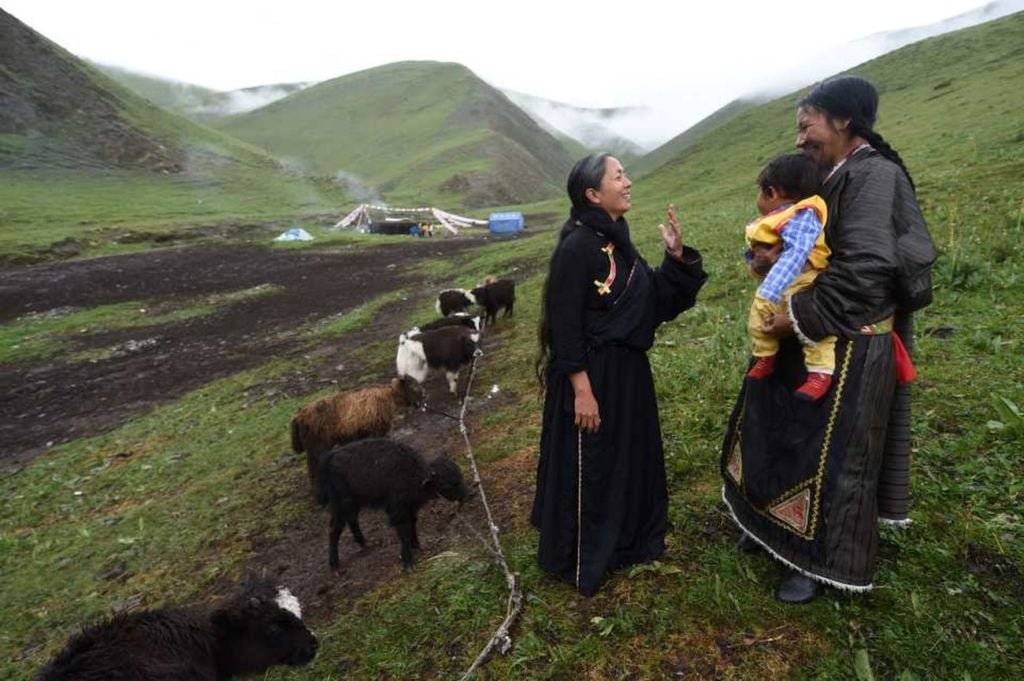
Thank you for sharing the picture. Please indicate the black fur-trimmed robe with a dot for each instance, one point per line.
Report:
(810, 482)
(601, 501)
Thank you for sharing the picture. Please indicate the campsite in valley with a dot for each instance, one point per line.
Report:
(156, 343)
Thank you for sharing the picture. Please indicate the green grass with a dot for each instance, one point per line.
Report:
(95, 210)
(949, 588)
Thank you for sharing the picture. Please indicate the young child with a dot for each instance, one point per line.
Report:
(787, 248)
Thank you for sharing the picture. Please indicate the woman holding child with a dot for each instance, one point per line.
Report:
(809, 479)
(601, 501)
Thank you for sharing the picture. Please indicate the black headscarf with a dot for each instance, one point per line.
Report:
(617, 231)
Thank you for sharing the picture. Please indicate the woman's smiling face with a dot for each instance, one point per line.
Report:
(819, 136)
(615, 193)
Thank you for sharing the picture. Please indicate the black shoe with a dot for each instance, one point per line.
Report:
(747, 544)
(796, 588)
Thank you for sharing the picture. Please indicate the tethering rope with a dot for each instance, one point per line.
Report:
(502, 639)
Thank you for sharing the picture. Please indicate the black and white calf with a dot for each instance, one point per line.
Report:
(454, 300)
(247, 634)
(449, 348)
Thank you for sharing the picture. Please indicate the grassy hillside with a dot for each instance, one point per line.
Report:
(690, 136)
(418, 131)
(86, 527)
(79, 151)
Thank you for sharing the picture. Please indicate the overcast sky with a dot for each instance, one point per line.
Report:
(692, 57)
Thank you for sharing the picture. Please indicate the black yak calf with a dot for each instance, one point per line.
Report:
(382, 473)
(494, 295)
(257, 629)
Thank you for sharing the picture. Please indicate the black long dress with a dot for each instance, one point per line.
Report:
(601, 501)
(810, 482)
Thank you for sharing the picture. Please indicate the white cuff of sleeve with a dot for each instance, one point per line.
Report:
(804, 340)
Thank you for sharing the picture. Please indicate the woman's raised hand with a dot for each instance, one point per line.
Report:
(671, 234)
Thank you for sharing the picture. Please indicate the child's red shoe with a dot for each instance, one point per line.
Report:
(763, 368)
(815, 387)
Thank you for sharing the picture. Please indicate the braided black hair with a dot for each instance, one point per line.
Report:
(854, 98)
(586, 174)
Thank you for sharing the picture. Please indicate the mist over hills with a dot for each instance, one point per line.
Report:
(693, 134)
(413, 129)
(824, 63)
(676, 108)
(949, 104)
(56, 111)
(197, 102)
(410, 131)
(591, 127)
(80, 154)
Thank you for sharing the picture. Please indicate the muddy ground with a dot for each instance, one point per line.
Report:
(52, 401)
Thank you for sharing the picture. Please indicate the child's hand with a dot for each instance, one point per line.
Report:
(763, 257)
(671, 234)
(777, 325)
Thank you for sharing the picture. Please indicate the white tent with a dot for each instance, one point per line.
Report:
(360, 217)
(295, 234)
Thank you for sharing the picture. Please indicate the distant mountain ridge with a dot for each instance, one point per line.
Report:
(195, 101)
(413, 130)
(591, 127)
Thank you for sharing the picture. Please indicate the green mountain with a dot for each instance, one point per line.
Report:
(79, 152)
(417, 131)
(948, 589)
(197, 102)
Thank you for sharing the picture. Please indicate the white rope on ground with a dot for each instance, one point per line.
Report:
(501, 640)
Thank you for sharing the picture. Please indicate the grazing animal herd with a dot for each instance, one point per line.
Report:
(351, 466)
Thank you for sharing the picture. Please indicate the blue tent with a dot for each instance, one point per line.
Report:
(506, 223)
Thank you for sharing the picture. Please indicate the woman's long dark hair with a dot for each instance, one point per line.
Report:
(856, 99)
(586, 174)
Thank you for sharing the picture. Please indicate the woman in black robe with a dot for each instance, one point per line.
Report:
(601, 500)
(810, 482)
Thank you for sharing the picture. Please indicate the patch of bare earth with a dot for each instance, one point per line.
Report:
(46, 403)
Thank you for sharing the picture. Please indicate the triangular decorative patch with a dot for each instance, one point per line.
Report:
(794, 510)
(735, 466)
